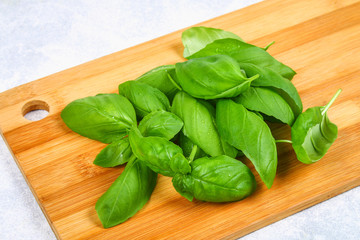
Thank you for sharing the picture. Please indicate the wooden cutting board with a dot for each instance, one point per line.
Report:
(320, 39)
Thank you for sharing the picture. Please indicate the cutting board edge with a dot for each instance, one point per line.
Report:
(30, 187)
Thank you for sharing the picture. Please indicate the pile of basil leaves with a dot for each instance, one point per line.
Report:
(189, 121)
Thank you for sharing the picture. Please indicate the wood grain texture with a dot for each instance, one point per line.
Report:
(319, 39)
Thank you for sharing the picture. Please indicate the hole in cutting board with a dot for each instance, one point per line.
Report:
(35, 110)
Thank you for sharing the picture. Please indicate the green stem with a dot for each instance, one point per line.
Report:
(283, 141)
(193, 153)
(269, 45)
(327, 106)
(175, 83)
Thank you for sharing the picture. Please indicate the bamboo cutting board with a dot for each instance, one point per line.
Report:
(320, 39)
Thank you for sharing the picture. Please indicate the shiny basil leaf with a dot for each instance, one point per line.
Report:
(160, 124)
(159, 78)
(105, 117)
(212, 77)
(196, 38)
(145, 99)
(313, 134)
(267, 102)
(216, 179)
(114, 154)
(127, 195)
(245, 53)
(274, 81)
(199, 124)
(247, 132)
(159, 154)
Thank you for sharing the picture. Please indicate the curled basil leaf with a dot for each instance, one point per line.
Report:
(127, 195)
(105, 117)
(199, 125)
(216, 179)
(212, 77)
(274, 81)
(160, 124)
(196, 38)
(313, 134)
(268, 102)
(249, 133)
(145, 99)
(245, 53)
(114, 154)
(159, 78)
(159, 154)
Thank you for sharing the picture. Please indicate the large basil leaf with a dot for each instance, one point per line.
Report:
(199, 124)
(268, 102)
(159, 78)
(249, 133)
(312, 133)
(245, 53)
(114, 154)
(216, 179)
(271, 79)
(145, 99)
(160, 124)
(196, 38)
(212, 77)
(105, 117)
(161, 155)
(127, 195)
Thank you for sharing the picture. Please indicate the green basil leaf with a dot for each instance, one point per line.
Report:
(161, 155)
(313, 134)
(268, 102)
(212, 77)
(187, 146)
(159, 78)
(196, 38)
(127, 195)
(160, 124)
(245, 53)
(145, 99)
(274, 81)
(216, 179)
(249, 133)
(199, 124)
(105, 117)
(114, 154)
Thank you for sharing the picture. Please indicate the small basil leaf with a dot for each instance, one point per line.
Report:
(212, 77)
(216, 179)
(245, 53)
(105, 117)
(146, 99)
(249, 133)
(127, 195)
(196, 38)
(160, 124)
(272, 80)
(199, 123)
(161, 155)
(114, 154)
(313, 134)
(268, 102)
(159, 78)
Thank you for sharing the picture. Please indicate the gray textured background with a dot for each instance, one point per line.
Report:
(38, 38)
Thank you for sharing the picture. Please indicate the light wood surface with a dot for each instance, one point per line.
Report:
(320, 39)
